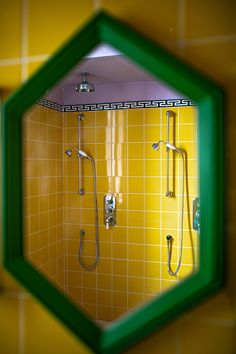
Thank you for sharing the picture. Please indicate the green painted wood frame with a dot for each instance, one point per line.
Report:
(209, 98)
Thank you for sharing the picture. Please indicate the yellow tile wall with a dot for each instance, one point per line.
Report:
(43, 192)
(203, 33)
(120, 142)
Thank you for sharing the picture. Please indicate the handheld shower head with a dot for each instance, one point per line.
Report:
(172, 147)
(83, 155)
(80, 153)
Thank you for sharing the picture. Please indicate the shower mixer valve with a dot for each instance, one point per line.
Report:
(109, 210)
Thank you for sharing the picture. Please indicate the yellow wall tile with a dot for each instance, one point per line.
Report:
(45, 335)
(152, 269)
(9, 324)
(136, 268)
(220, 24)
(135, 300)
(136, 218)
(136, 202)
(155, 21)
(10, 76)
(135, 117)
(10, 30)
(136, 184)
(104, 297)
(152, 253)
(38, 18)
(119, 267)
(135, 285)
(136, 252)
(120, 299)
(152, 286)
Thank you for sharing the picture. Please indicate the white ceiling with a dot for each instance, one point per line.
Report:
(105, 70)
(106, 66)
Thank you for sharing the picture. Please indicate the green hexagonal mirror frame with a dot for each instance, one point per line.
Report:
(148, 318)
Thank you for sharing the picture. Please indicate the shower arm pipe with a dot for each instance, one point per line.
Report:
(81, 190)
(169, 114)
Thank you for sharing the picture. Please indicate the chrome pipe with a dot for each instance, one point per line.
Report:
(169, 194)
(81, 190)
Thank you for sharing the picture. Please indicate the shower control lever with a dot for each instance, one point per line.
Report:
(109, 210)
(196, 214)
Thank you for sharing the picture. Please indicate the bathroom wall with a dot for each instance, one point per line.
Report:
(43, 195)
(203, 34)
(133, 264)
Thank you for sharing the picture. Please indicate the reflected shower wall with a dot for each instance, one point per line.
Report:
(43, 192)
(133, 254)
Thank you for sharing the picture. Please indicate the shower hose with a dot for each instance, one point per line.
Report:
(169, 238)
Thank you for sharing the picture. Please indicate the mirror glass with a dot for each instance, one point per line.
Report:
(111, 186)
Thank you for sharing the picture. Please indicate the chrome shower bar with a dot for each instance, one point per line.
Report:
(81, 190)
(169, 194)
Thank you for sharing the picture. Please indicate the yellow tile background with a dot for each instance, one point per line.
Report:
(204, 35)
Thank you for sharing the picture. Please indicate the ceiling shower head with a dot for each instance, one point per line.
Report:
(84, 85)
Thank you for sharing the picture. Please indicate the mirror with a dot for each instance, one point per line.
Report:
(111, 185)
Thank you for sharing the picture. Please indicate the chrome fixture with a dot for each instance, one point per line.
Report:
(169, 238)
(81, 190)
(169, 114)
(196, 214)
(83, 155)
(156, 146)
(84, 85)
(109, 210)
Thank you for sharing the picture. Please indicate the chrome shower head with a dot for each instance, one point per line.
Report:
(83, 155)
(80, 153)
(155, 146)
(84, 85)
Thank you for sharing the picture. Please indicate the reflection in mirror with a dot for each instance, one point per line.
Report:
(110, 177)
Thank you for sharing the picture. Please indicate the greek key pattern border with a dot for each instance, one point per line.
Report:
(115, 105)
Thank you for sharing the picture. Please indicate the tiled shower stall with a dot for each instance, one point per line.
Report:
(133, 253)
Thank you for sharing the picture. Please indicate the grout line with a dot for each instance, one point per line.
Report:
(96, 5)
(211, 40)
(24, 59)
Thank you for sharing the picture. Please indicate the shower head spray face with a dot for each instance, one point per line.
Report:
(68, 152)
(155, 146)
